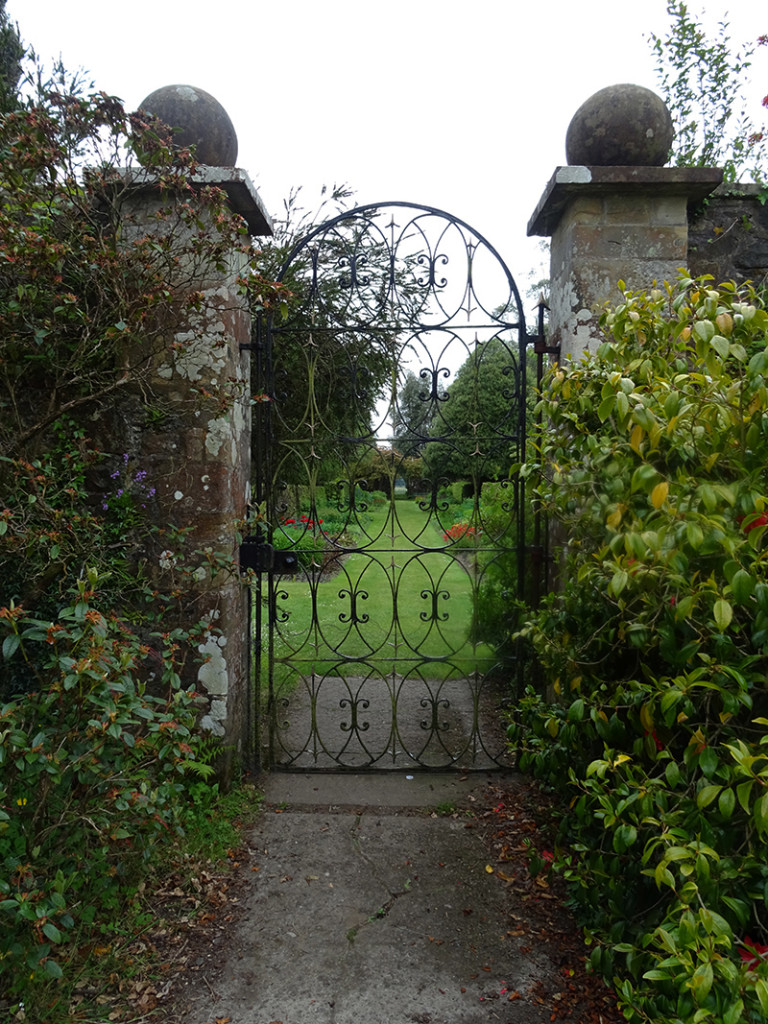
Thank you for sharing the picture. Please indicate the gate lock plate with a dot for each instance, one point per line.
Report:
(259, 556)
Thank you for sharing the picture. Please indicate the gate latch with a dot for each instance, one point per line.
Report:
(259, 556)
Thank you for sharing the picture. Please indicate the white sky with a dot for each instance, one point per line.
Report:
(459, 105)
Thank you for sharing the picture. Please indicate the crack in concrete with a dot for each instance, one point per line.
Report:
(385, 907)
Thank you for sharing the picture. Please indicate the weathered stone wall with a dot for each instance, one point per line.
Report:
(728, 236)
(188, 427)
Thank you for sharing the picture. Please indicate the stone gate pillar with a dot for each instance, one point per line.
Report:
(194, 440)
(614, 213)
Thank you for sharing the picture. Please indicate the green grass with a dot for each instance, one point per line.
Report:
(419, 605)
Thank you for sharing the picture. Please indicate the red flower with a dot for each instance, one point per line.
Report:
(754, 521)
(752, 952)
(655, 738)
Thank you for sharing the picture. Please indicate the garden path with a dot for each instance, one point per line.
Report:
(370, 903)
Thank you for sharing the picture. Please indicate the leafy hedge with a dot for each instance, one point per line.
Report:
(653, 465)
(92, 766)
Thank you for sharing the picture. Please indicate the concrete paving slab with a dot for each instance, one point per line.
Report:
(373, 789)
(362, 913)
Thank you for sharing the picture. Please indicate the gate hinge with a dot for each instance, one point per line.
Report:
(540, 346)
(257, 555)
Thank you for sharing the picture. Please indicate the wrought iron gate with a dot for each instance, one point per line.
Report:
(391, 526)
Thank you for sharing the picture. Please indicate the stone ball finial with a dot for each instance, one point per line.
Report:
(622, 125)
(202, 121)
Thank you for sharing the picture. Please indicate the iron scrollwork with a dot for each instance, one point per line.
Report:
(381, 292)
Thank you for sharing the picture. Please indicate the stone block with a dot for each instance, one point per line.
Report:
(669, 211)
(632, 209)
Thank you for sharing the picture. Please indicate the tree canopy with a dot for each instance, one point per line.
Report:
(476, 428)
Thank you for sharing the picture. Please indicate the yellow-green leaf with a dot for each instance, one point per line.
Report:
(614, 519)
(721, 345)
(706, 795)
(618, 582)
(723, 613)
(695, 535)
(636, 438)
(701, 982)
(659, 494)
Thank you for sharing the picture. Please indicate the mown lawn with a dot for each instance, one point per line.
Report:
(393, 604)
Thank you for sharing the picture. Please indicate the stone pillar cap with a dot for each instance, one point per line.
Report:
(241, 192)
(696, 183)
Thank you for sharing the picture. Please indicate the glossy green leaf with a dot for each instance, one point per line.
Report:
(742, 586)
(733, 1014)
(760, 812)
(743, 792)
(704, 330)
(761, 990)
(52, 932)
(10, 645)
(727, 803)
(721, 345)
(694, 535)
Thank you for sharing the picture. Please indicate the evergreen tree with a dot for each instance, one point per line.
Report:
(413, 414)
(474, 431)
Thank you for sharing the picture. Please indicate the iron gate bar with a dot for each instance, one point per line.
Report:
(366, 286)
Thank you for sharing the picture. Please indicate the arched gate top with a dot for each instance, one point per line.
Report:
(400, 262)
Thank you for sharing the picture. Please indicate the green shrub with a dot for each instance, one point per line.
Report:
(653, 462)
(92, 766)
(303, 537)
(454, 495)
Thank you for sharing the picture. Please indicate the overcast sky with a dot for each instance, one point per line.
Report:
(459, 105)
